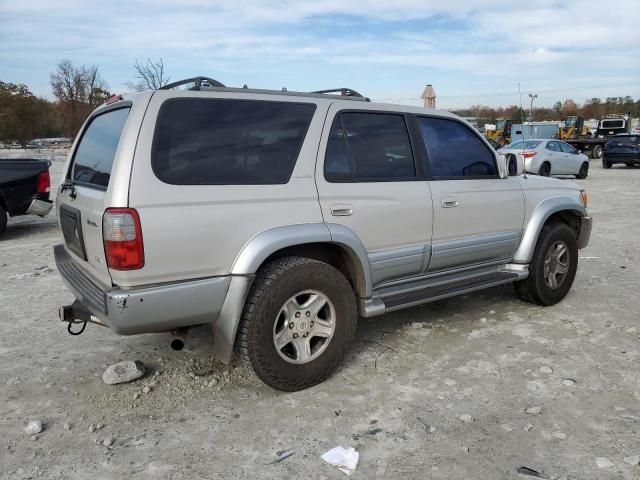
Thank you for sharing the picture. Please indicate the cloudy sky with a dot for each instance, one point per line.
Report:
(473, 52)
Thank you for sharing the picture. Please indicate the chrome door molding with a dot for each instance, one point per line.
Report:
(462, 251)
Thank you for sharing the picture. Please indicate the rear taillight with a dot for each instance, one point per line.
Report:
(528, 154)
(122, 237)
(44, 182)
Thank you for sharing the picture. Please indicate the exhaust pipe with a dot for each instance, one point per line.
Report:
(178, 342)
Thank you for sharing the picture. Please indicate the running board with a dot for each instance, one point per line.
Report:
(389, 301)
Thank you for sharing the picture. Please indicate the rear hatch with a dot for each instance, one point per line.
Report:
(623, 145)
(81, 197)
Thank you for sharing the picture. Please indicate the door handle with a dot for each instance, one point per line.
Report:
(449, 202)
(341, 210)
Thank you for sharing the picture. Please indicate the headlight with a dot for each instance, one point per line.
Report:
(584, 198)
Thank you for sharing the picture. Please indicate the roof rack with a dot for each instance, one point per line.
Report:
(206, 83)
(345, 92)
(198, 82)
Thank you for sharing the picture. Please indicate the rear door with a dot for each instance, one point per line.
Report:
(477, 216)
(555, 156)
(571, 161)
(369, 180)
(81, 199)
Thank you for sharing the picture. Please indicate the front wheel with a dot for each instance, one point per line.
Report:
(583, 172)
(552, 268)
(298, 322)
(606, 164)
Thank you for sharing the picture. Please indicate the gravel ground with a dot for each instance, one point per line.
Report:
(471, 387)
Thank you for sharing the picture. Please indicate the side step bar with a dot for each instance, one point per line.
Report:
(431, 294)
(397, 299)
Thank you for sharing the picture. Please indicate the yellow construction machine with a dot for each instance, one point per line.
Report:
(502, 134)
(574, 128)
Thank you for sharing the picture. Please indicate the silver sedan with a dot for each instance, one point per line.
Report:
(549, 157)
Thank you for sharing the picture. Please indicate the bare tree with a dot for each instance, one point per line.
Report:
(150, 75)
(79, 90)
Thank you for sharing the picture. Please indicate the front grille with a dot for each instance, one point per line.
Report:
(88, 292)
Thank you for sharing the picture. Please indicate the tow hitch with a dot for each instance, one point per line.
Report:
(76, 314)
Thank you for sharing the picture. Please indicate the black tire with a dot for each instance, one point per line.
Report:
(583, 172)
(534, 289)
(545, 169)
(512, 165)
(3, 219)
(597, 151)
(606, 164)
(275, 284)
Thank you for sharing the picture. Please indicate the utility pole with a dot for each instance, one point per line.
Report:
(532, 96)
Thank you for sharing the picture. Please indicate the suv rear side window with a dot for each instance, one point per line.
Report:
(93, 158)
(455, 151)
(375, 148)
(228, 142)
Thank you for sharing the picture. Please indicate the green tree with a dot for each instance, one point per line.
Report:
(19, 113)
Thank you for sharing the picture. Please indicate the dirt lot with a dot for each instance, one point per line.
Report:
(398, 400)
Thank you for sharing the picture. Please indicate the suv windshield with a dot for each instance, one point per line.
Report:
(93, 159)
(524, 144)
(570, 122)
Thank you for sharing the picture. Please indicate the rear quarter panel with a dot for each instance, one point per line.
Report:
(197, 231)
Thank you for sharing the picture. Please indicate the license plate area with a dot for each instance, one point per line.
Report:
(71, 224)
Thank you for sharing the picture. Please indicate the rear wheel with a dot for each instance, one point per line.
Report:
(606, 164)
(552, 268)
(3, 219)
(583, 172)
(545, 169)
(298, 322)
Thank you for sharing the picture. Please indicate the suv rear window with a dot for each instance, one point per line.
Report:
(93, 158)
(228, 142)
(526, 144)
(375, 148)
(612, 123)
(626, 140)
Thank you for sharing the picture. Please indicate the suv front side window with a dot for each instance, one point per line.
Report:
(369, 147)
(455, 151)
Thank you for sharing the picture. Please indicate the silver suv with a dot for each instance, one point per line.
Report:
(278, 217)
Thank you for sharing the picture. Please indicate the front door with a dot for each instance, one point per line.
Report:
(369, 181)
(477, 216)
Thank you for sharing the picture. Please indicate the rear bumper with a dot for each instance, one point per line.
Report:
(628, 158)
(585, 231)
(156, 308)
(39, 207)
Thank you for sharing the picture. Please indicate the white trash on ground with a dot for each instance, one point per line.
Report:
(346, 459)
(33, 427)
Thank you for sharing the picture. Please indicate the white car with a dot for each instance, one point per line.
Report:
(549, 157)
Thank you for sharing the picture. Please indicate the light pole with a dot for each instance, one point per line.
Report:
(532, 96)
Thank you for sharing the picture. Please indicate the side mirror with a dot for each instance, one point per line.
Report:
(513, 165)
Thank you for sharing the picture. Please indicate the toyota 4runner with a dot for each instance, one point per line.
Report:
(279, 217)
